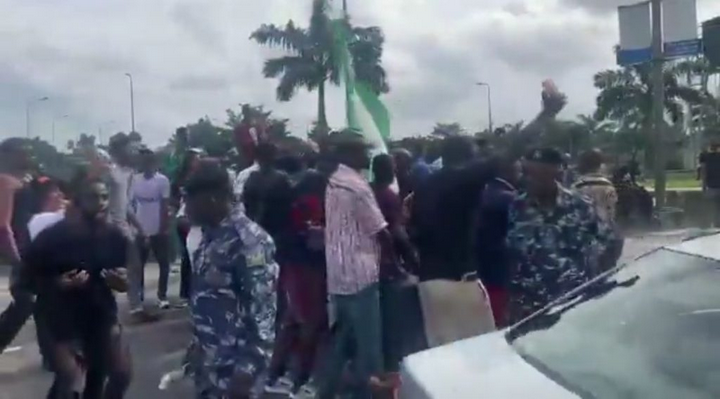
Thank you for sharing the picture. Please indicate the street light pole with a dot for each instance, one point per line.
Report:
(132, 102)
(28, 105)
(53, 128)
(658, 103)
(489, 100)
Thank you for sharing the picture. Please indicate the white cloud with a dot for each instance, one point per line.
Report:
(192, 58)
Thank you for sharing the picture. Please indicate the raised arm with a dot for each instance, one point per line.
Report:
(552, 104)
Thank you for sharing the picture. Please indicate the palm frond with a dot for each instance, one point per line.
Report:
(303, 75)
(290, 38)
(275, 67)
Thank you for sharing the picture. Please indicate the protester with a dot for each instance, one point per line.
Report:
(354, 231)
(267, 194)
(233, 296)
(710, 178)
(189, 164)
(493, 257)
(51, 201)
(444, 210)
(593, 184)
(120, 173)
(17, 206)
(401, 323)
(305, 320)
(76, 265)
(403, 160)
(150, 197)
(267, 199)
(247, 136)
(553, 235)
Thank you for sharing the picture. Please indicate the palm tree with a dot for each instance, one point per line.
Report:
(626, 94)
(311, 62)
(697, 68)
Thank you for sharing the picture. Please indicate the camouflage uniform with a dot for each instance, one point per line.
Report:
(552, 251)
(233, 304)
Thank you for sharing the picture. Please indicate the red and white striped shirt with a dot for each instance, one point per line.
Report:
(352, 221)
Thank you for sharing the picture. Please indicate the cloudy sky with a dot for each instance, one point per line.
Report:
(191, 58)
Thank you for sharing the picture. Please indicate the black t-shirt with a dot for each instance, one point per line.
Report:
(267, 197)
(443, 221)
(64, 247)
(711, 162)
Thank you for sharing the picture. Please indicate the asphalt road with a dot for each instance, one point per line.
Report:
(156, 349)
(159, 347)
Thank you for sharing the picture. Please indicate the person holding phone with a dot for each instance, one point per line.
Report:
(76, 266)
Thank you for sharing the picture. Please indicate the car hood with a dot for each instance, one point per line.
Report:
(484, 366)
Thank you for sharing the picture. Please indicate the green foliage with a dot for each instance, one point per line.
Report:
(215, 141)
(447, 129)
(627, 94)
(311, 61)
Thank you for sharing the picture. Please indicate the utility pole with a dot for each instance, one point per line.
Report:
(132, 102)
(658, 116)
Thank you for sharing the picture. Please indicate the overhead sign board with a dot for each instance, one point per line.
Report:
(680, 31)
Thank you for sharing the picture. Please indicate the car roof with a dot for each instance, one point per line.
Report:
(706, 245)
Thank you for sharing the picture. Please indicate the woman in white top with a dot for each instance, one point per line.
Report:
(51, 203)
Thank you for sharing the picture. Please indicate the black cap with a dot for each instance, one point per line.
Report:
(348, 138)
(548, 156)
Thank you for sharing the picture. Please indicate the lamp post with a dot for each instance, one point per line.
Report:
(489, 100)
(53, 127)
(132, 102)
(28, 105)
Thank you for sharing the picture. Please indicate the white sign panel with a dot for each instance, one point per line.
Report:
(680, 20)
(635, 34)
(635, 26)
(680, 31)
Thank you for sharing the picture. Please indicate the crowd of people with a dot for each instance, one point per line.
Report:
(296, 254)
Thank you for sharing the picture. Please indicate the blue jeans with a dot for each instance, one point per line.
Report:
(359, 332)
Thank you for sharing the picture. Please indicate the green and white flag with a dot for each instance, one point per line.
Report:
(365, 112)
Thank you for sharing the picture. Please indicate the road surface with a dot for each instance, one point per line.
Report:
(156, 348)
(159, 347)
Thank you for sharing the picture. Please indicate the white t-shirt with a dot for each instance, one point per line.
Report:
(146, 196)
(42, 221)
(242, 178)
(193, 241)
(121, 178)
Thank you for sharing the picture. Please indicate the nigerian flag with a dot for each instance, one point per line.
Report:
(365, 112)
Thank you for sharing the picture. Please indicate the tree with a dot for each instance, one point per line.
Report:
(628, 93)
(215, 141)
(447, 129)
(275, 128)
(696, 69)
(312, 60)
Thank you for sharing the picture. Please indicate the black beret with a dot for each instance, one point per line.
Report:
(548, 156)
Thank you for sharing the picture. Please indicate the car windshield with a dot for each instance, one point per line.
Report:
(648, 330)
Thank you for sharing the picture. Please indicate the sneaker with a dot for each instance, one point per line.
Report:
(303, 392)
(282, 386)
(181, 304)
(164, 304)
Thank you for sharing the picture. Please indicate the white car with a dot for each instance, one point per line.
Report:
(649, 329)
